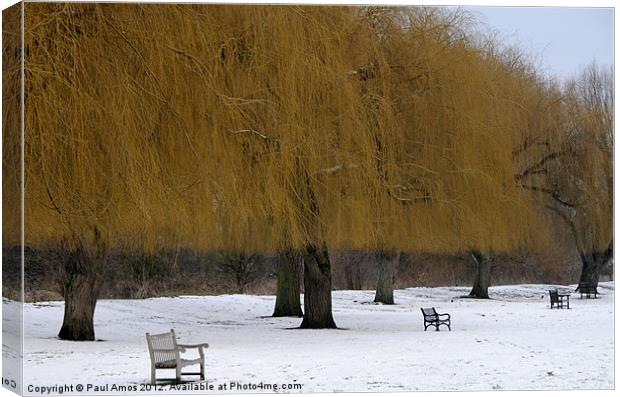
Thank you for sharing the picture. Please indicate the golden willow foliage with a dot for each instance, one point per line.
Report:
(257, 128)
(11, 128)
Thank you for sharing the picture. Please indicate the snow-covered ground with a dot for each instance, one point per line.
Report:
(513, 341)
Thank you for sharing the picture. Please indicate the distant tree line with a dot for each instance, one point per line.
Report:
(138, 276)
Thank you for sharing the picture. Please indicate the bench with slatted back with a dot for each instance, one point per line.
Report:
(587, 289)
(434, 319)
(165, 353)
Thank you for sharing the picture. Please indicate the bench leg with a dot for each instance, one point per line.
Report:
(153, 378)
(178, 374)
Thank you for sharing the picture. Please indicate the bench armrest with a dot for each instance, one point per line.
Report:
(197, 346)
(443, 314)
(179, 349)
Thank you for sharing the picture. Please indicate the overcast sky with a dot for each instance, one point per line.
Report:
(562, 40)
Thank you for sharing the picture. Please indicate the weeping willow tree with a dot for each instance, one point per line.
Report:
(451, 94)
(568, 160)
(11, 154)
(11, 126)
(263, 129)
(590, 107)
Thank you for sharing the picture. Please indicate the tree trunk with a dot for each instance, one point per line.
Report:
(80, 289)
(388, 261)
(591, 264)
(483, 274)
(317, 288)
(589, 271)
(317, 267)
(288, 301)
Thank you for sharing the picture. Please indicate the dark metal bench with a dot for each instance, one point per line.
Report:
(434, 319)
(558, 299)
(587, 289)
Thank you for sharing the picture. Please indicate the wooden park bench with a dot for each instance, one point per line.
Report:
(587, 289)
(166, 354)
(432, 318)
(558, 299)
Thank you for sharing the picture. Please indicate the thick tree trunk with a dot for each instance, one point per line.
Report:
(288, 301)
(317, 288)
(80, 289)
(317, 267)
(589, 271)
(591, 264)
(388, 262)
(483, 275)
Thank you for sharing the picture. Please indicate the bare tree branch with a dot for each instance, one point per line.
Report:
(534, 169)
(553, 194)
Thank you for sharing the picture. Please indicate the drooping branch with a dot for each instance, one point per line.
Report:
(49, 195)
